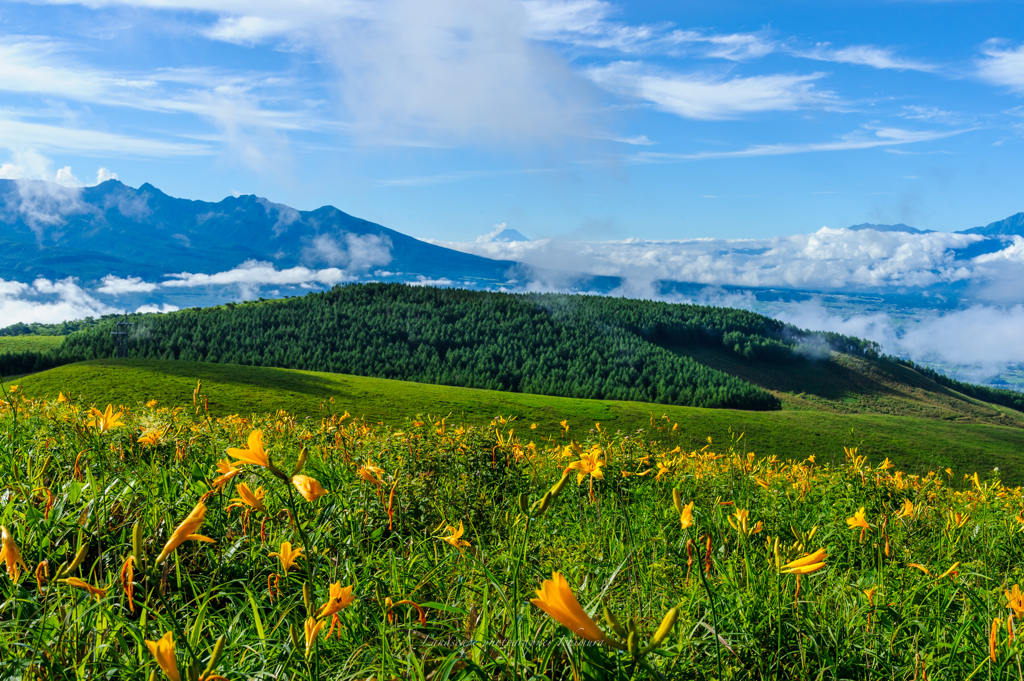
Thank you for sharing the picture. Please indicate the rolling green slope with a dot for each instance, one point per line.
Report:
(912, 442)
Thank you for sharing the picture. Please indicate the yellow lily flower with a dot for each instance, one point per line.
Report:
(338, 599)
(227, 472)
(152, 436)
(907, 511)
(105, 420)
(686, 517)
(164, 652)
(807, 564)
(308, 487)
(455, 538)
(94, 591)
(313, 628)
(287, 555)
(556, 599)
(185, 532)
(10, 555)
(589, 463)
(254, 454)
(858, 520)
(370, 473)
(128, 580)
(1015, 600)
(246, 497)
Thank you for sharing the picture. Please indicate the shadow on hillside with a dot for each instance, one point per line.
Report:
(266, 378)
(849, 384)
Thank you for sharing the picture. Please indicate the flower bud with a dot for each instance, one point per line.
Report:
(614, 623)
(79, 558)
(667, 623)
(303, 453)
(306, 599)
(677, 500)
(218, 649)
(633, 643)
(560, 485)
(524, 503)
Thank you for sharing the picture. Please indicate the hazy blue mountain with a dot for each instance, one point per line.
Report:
(47, 230)
(1013, 225)
(889, 228)
(509, 234)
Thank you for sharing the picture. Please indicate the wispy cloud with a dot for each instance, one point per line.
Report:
(864, 139)
(17, 134)
(711, 97)
(865, 55)
(1003, 64)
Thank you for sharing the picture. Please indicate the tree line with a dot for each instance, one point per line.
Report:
(566, 345)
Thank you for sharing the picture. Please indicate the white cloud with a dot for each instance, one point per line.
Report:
(17, 134)
(1003, 64)
(711, 97)
(588, 23)
(251, 275)
(47, 302)
(861, 139)
(162, 309)
(114, 285)
(826, 259)
(865, 55)
(357, 254)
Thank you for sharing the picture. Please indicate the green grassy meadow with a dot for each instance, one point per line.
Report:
(29, 343)
(967, 438)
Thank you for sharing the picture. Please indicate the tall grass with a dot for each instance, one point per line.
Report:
(84, 499)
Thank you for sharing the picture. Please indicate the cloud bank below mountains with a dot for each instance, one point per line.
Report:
(829, 259)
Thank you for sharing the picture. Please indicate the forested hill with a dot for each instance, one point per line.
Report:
(572, 346)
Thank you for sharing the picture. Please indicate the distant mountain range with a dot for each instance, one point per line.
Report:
(113, 230)
(50, 231)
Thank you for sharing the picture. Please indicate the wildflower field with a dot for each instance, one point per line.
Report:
(157, 541)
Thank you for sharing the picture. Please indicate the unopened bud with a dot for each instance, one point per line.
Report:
(560, 485)
(524, 503)
(296, 641)
(614, 622)
(306, 599)
(218, 649)
(677, 500)
(303, 453)
(667, 622)
(633, 643)
(79, 558)
(137, 544)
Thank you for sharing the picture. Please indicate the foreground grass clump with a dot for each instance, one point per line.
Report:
(161, 542)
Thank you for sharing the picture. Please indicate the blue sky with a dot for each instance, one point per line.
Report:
(576, 119)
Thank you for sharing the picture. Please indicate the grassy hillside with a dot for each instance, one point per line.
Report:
(29, 343)
(915, 443)
(846, 384)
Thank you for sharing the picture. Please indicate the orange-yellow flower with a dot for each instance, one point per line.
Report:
(308, 487)
(246, 497)
(1015, 600)
(227, 472)
(589, 463)
(128, 581)
(10, 555)
(455, 538)
(950, 571)
(152, 436)
(858, 520)
(288, 555)
(185, 532)
(105, 420)
(920, 567)
(993, 635)
(313, 628)
(94, 591)
(907, 511)
(807, 564)
(686, 517)
(164, 652)
(254, 454)
(556, 599)
(339, 599)
(370, 473)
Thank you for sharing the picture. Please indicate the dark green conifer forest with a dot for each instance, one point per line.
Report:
(551, 344)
